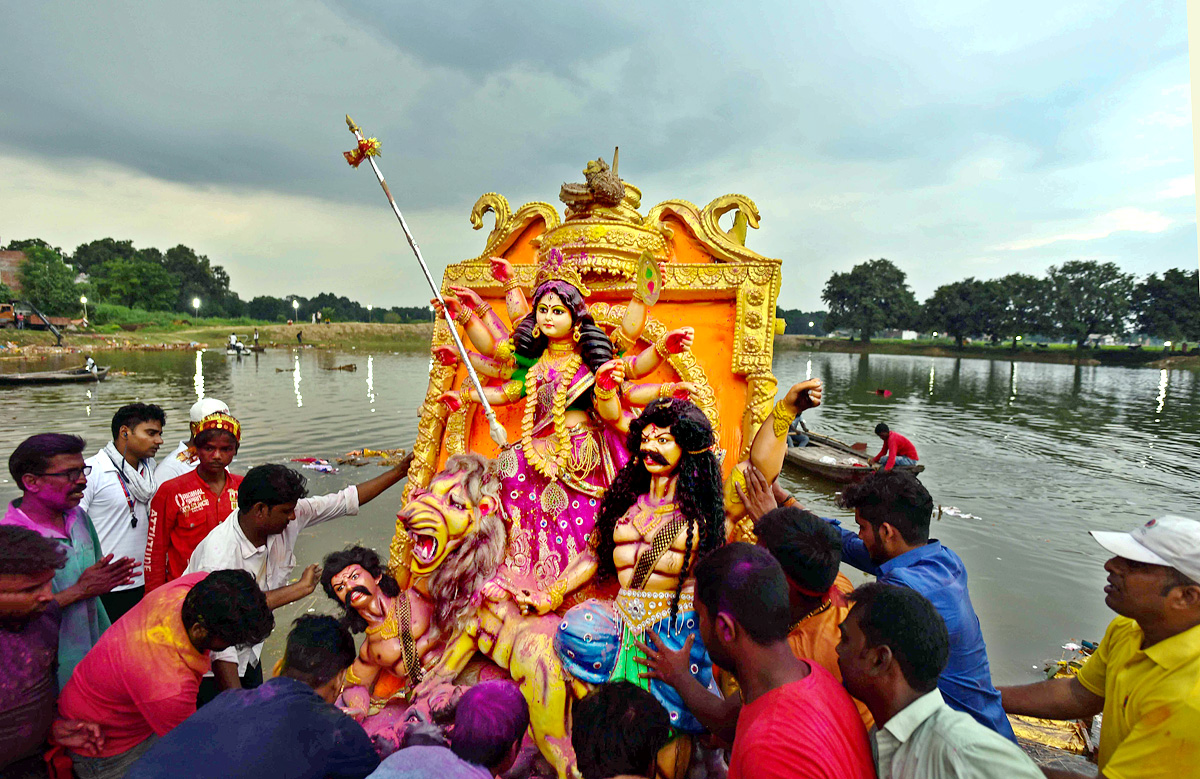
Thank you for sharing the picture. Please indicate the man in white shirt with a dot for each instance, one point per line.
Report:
(118, 493)
(893, 648)
(183, 459)
(260, 538)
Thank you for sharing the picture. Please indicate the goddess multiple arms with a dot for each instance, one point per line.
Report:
(458, 313)
(514, 298)
(674, 342)
(491, 367)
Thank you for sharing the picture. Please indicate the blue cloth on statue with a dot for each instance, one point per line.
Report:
(596, 645)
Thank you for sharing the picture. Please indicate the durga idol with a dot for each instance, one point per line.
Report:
(565, 368)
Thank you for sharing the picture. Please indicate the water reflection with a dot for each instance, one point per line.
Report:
(808, 371)
(296, 381)
(371, 382)
(1162, 392)
(198, 380)
(930, 379)
(1012, 382)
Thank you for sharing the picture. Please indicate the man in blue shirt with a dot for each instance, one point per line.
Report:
(287, 727)
(893, 510)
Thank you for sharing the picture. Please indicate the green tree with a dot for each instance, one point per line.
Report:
(198, 277)
(1023, 303)
(1169, 307)
(29, 243)
(136, 283)
(90, 256)
(6, 293)
(963, 308)
(1089, 297)
(797, 321)
(47, 282)
(269, 308)
(871, 296)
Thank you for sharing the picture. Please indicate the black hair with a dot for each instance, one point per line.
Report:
(618, 728)
(1176, 578)
(490, 718)
(807, 547)
(594, 345)
(904, 620)
(271, 484)
(336, 562)
(882, 429)
(895, 497)
(230, 606)
(136, 414)
(24, 552)
(698, 489)
(746, 582)
(33, 455)
(318, 649)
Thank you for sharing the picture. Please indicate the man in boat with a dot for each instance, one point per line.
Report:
(1145, 676)
(120, 489)
(897, 450)
(184, 459)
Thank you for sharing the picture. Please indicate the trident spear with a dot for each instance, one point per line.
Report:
(368, 150)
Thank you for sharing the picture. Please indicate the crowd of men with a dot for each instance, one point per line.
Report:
(135, 598)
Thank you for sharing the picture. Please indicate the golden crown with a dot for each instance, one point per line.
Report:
(558, 268)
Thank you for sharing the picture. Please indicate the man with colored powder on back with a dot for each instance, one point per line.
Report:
(51, 473)
(140, 680)
(298, 732)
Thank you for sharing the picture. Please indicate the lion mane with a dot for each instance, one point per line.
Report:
(455, 587)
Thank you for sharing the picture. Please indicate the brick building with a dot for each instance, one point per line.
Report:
(10, 261)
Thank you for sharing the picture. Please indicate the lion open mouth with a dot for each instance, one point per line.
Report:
(425, 547)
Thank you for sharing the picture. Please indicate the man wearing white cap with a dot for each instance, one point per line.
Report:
(1145, 675)
(183, 459)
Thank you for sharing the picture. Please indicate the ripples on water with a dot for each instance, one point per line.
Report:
(1039, 453)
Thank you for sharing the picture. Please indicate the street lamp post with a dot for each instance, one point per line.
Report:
(369, 307)
(83, 300)
(295, 310)
(196, 306)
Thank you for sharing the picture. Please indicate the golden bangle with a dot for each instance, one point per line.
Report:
(782, 418)
(556, 592)
(464, 316)
(666, 389)
(482, 310)
(623, 342)
(352, 678)
(513, 389)
(604, 394)
(510, 285)
(660, 346)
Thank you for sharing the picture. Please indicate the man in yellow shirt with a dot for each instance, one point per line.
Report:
(1146, 673)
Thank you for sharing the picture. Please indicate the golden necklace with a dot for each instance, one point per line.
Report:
(566, 372)
(812, 613)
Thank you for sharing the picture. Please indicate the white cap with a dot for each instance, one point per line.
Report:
(205, 406)
(1170, 541)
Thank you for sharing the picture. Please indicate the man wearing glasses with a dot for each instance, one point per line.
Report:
(117, 497)
(50, 471)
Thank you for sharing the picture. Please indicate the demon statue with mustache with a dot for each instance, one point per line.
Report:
(665, 510)
(459, 539)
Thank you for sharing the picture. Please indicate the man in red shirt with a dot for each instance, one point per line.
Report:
(185, 509)
(898, 449)
(141, 678)
(796, 719)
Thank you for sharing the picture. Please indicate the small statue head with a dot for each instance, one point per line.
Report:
(460, 503)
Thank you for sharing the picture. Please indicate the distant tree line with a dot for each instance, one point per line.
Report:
(1072, 301)
(111, 271)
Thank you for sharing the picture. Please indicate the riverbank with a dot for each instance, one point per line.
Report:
(339, 335)
(1060, 354)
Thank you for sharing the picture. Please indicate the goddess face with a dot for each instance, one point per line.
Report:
(661, 453)
(553, 316)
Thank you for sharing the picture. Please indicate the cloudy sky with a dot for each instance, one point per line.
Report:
(954, 138)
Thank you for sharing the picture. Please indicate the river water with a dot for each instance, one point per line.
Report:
(1033, 454)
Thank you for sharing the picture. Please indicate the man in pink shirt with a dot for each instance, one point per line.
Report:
(897, 450)
(141, 678)
(796, 719)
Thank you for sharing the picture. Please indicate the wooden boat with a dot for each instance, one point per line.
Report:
(831, 459)
(53, 377)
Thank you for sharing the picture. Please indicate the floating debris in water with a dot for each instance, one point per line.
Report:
(954, 511)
